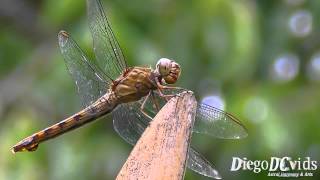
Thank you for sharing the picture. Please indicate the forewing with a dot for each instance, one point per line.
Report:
(89, 81)
(209, 120)
(108, 53)
(217, 123)
(129, 122)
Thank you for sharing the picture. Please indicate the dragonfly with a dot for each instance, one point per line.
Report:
(133, 95)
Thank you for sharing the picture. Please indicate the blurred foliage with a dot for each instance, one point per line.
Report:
(258, 57)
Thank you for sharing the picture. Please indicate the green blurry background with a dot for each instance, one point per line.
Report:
(259, 60)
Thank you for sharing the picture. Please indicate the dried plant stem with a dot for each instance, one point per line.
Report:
(161, 152)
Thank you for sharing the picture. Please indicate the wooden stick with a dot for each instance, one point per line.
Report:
(161, 152)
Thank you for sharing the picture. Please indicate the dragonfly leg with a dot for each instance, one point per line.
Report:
(143, 105)
(166, 87)
(154, 100)
(161, 87)
(165, 96)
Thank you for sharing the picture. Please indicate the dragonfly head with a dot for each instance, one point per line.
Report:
(169, 70)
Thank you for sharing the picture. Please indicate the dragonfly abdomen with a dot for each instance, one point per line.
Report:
(102, 106)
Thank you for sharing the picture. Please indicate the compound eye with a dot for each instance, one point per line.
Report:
(164, 70)
(164, 66)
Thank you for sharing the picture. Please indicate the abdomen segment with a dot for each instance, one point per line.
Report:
(102, 106)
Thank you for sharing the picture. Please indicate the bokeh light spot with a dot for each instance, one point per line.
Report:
(285, 68)
(256, 109)
(300, 23)
(214, 101)
(313, 68)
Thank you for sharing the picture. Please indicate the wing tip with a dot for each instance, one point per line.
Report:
(236, 120)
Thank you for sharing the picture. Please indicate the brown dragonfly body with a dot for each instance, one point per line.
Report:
(132, 85)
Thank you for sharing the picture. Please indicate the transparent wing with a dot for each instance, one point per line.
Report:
(90, 82)
(209, 120)
(217, 123)
(130, 123)
(199, 164)
(108, 53)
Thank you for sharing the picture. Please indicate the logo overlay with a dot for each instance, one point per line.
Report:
(277, 166)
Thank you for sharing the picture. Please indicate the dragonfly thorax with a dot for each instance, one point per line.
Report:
(168, 69)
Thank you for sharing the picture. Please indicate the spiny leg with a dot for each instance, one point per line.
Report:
(143, 106)
(161, 87)
(155, 101)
